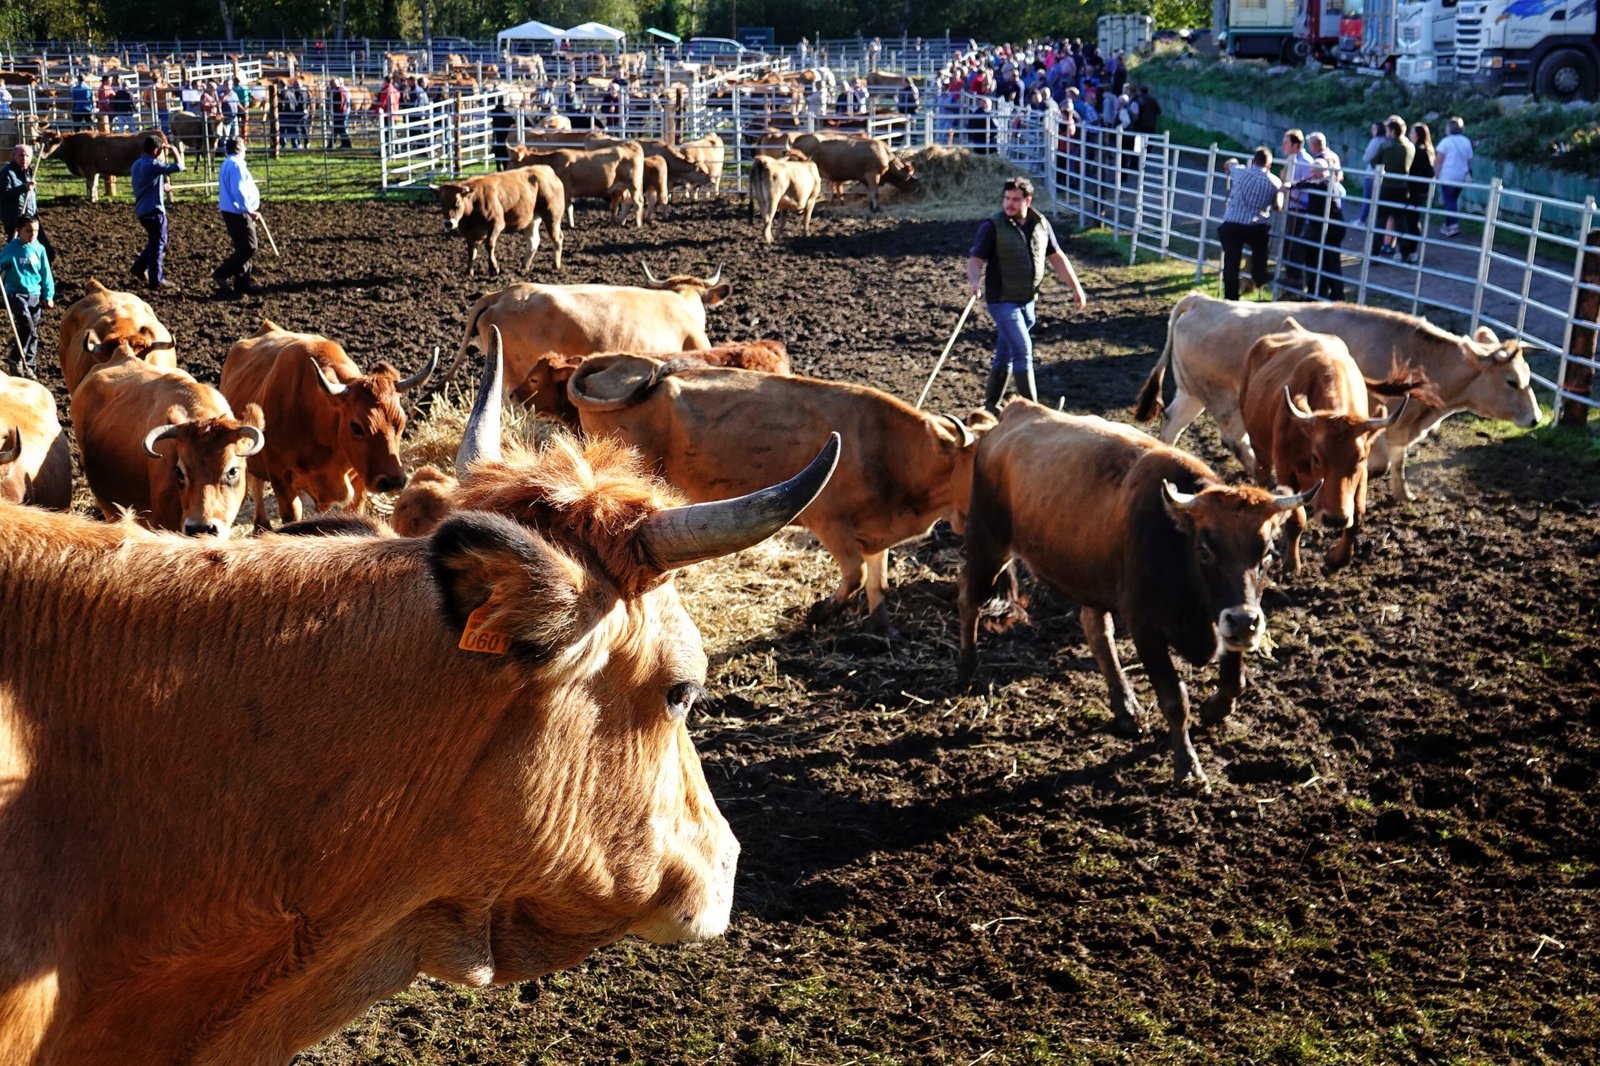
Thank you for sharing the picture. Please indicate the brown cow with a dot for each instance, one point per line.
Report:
(35, 455)
(424, 502)
(680, 169)
(543, 320)
(164, 446)
(783, 185)
(714, 431)
(483, 207)
(708, 154)
(106, 324)
(332, 431)
(1304, 404)
(203, 870)
(1127, 526)
(89, 154)
(545, 387)
(612, 174)
(843, 159)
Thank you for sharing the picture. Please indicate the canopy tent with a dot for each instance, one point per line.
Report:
(593, 31)
(533, 30)
(664, 35)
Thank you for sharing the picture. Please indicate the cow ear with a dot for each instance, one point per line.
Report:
(267, 326)
(717, 294)
(1485, 335)
(148, 334)
(91, 340)
(176, 415)
(253, 416)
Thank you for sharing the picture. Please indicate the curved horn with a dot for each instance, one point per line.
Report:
(679, 536)
(160, 433)
(258, 440)
(654, 281)
(481, 440)
(716, 276)
(11, 451)
(332, 388)
(1289, 503)
(961, 430)
(1388, 420)
(1178, 501)
(1300, 414)
(407, 384)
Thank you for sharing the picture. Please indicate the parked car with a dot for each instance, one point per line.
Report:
(724, 50)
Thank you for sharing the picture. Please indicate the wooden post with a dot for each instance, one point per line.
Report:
(455, 141)
(272, 120)
(1577, 377)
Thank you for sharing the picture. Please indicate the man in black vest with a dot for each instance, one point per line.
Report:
(1016, 243)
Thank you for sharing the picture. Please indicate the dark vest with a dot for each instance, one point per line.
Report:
(1017, 269)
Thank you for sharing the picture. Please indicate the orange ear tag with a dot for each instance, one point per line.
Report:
(479, 637)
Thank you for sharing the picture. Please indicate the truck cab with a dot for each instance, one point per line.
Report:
(1546, 47)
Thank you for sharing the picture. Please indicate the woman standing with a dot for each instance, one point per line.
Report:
(1418, 192)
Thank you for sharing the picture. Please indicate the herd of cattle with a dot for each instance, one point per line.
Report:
(208, 866)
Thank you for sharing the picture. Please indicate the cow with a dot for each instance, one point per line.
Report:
(483, 207)
(680, 169)
(708, 154)
(35, 455)
(780, 185)
(843, 159)
(539, 321)
(192, 131)
(712, 431)
(1304, 406)
(612, 174)
(163, 446)
(89, 154)
(1208, 340)
(545, 387)
(105, 324)
(424, 502)
(332, 431)
(1129, 527)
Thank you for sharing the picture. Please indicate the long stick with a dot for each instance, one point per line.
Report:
(262, 219)
(951, 343)
(6, 299)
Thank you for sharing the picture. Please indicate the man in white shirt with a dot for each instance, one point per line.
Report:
(240, 202)
(1453, 167)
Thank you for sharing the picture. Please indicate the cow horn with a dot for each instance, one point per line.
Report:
(160, 433)
(481, 440)
(12, 450)
(332, 388)
(407, 384)
(1179, 501)
(961, 430)
(1300, 414)
(1289, 503)
(679, 536)
(716, 276)
(257, 439)
(1388, 420)
(654, 281)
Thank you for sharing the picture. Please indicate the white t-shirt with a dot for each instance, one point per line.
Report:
(1454, 159)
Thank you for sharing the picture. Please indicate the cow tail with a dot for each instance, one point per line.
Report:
(1413, 383)
(466, 338)
(1149, 403)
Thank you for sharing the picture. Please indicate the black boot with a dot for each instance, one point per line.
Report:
(994, 388)
(1027, 387)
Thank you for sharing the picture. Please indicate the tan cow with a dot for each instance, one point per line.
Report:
(290, 775)
(539, 321)
(708, 154)
(1208, 340)
(545, 387)
(612, 174)
(106, 324)
(716, 432)
(680, 169)
(164, 446)
(332, 431)
(35, 455)
(90, 154)
(483, 207)
(780, 186)
(842, 159)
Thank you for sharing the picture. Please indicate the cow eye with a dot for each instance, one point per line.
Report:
(231, 477)
(183, 479)
(357, 429)
(681, 697)
(1208, 552)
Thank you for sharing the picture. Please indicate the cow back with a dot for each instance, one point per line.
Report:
(42, 474)
(118, 320)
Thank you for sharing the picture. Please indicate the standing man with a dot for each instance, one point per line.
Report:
(149, 207)
(27, 283)
(339, 111)
(1453, 165)
(1394, 193)
(1253, 195)
(1016, 243)
(82, 104)
(18, 197)
(240, 202)
(1300, 255)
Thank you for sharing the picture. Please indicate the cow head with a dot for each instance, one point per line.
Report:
(901, 175)
(1335, 454)
(122, 343)
(1230, 532)
(201, 466)
(455, 197)
(711, 291)
(545, 388)
(369, 420)
(962, 438)
(1501, 385)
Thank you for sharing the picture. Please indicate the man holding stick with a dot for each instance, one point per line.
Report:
(240, 202)
(1016, 243)
(18, 198)
(149, 207)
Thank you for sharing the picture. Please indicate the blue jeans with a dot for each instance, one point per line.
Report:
(1013, 345)
(1451, 195)
(151, 262)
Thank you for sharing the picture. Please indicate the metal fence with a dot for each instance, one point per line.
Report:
(420, 145)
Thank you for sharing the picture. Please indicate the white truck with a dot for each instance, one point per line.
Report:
(1260, 29)
(1128, 34)
(1546, 47)
(1425, 41)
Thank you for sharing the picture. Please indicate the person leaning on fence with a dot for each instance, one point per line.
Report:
(1253, 195)
(1299, 256)
(1453, 164)
(149, 207)
(1012, 248)
(240, 202)
(28, 285)
(1325, 213)
(338, 110)
(387, 99)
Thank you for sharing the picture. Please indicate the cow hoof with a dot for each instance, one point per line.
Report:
(879, 622)
(966, 668)
(1214, 711)
(822, 611)
(1126, 725)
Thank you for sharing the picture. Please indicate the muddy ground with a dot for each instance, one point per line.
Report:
(1397, 863)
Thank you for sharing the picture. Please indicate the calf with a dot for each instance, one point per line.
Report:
(424, 502)
(1127, 526)
(523, 199)
(781, 185)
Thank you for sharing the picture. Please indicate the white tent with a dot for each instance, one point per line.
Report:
(593, 31)
(533, 30)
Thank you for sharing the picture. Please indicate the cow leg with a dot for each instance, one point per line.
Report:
(1344, 548)
(533, 245)
(1230, 684)
(1174, 701)
(556, 239)
(986, 548)
(877, 592)
(258, 496)
(810, 207)
(1293, 526)
(852, 571)
(872, 192)
(1177, 415)
(494, 244)
(1101, 632)
(1393, 455)
(288, 497)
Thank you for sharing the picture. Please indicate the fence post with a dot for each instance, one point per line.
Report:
(1366, 237)
(1491, 217)
(455, 140)
(1205, 213)
(383, 150)
(272, 120)
(1575, 379)
(1141, 147)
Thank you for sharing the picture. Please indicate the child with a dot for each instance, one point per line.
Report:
(26, 279)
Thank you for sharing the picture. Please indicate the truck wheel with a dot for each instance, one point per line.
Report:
(1566, 75)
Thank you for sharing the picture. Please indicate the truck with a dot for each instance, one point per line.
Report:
(1128, 34)
(1260, 29)
(1425, 41)
(1316, 28)
(1546, 47)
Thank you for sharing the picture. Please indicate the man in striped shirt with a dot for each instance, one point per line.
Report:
(1253, 195)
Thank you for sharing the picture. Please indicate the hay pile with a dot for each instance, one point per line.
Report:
(435, 434)
(954, 182)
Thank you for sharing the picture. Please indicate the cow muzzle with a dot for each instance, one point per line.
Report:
(390, 483)
(450, 225)
(1240, 628)
(1334, 520)
(205, 527)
